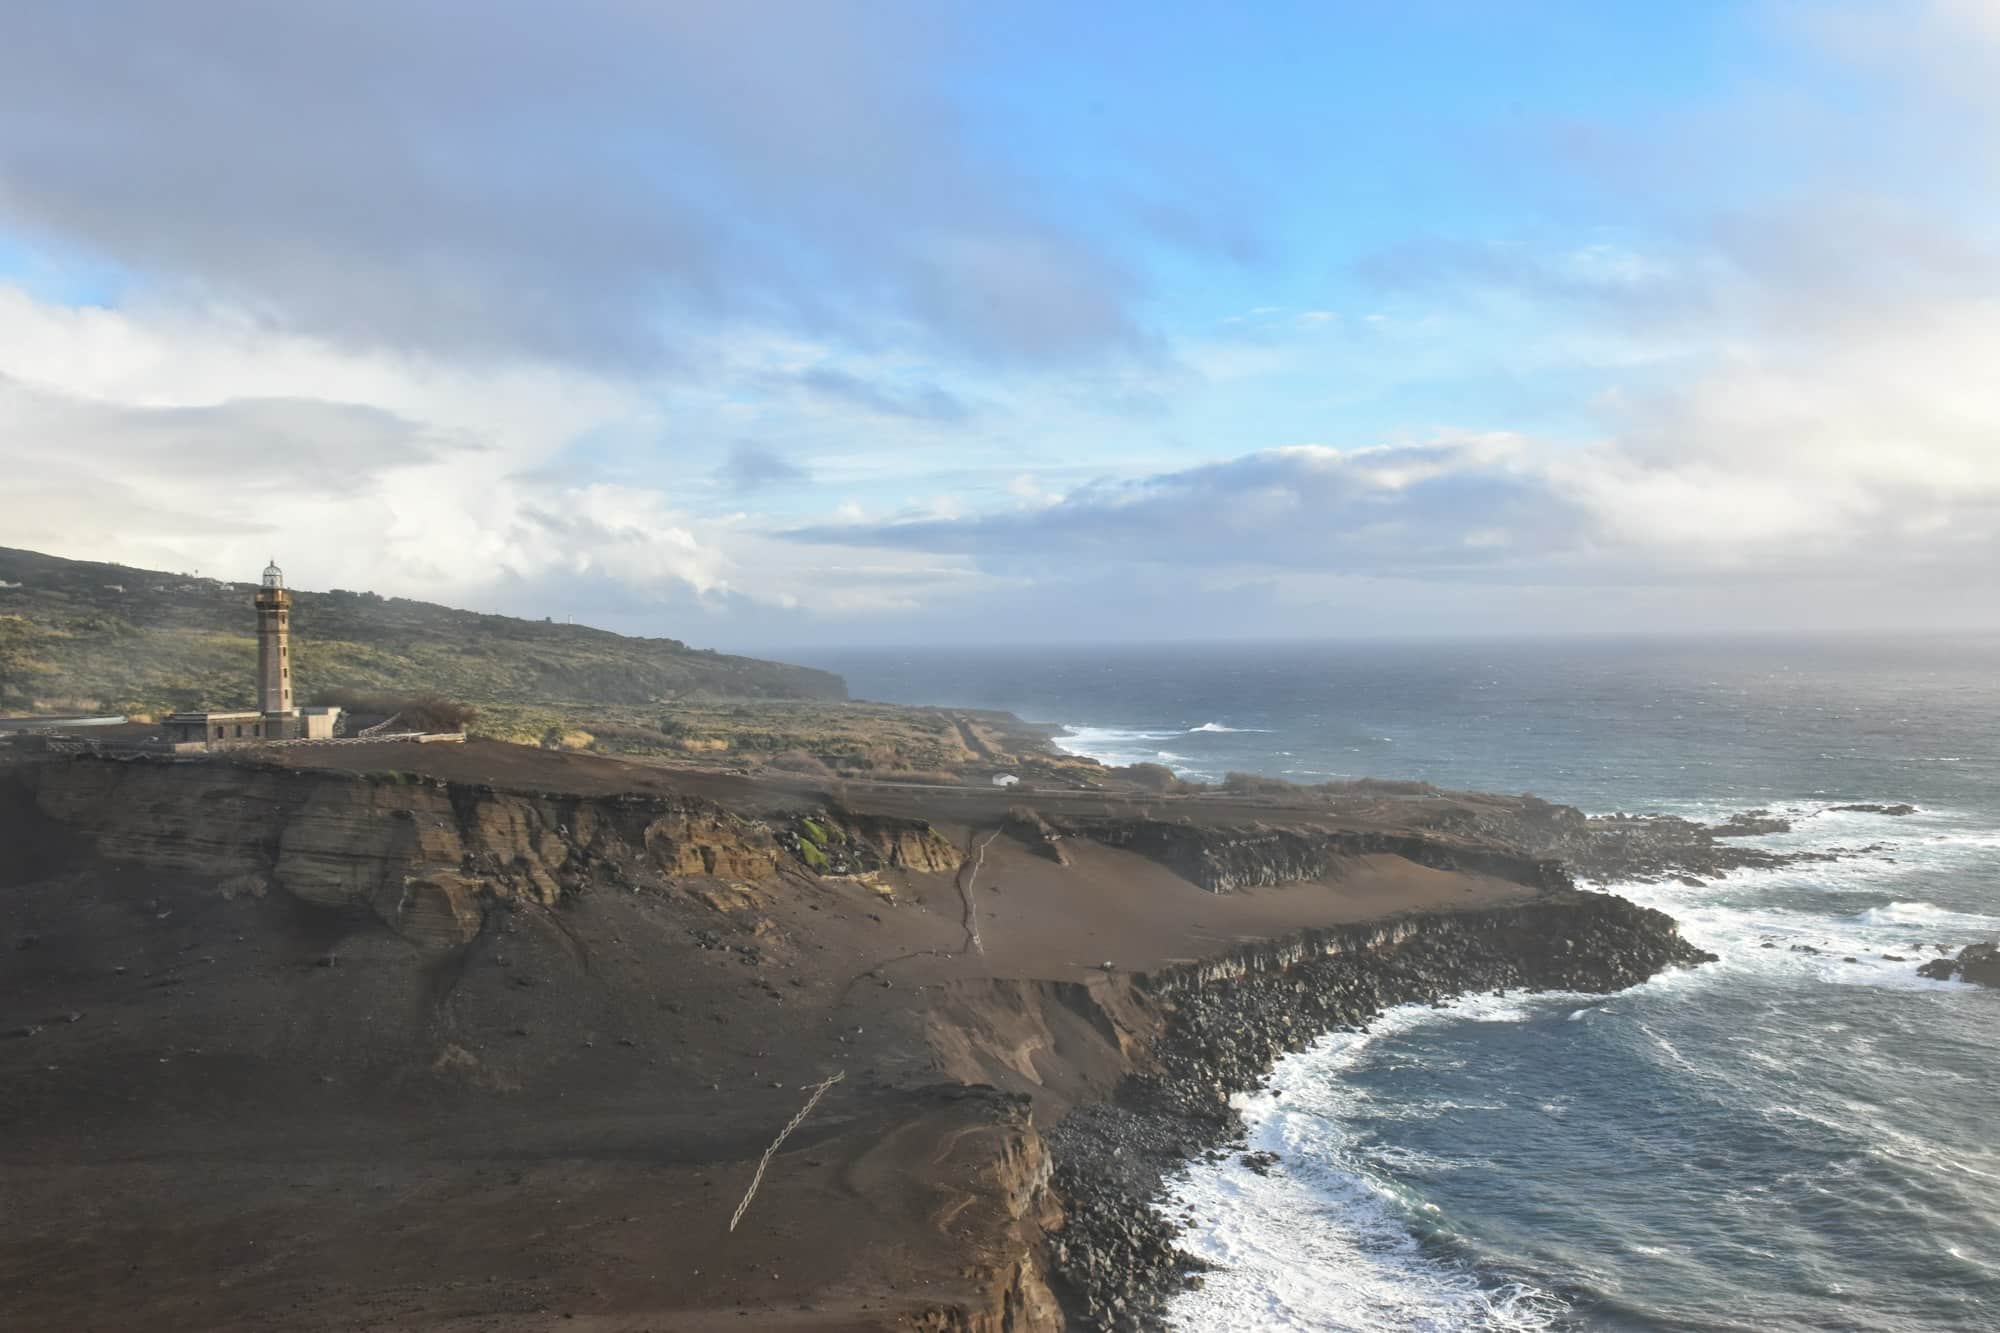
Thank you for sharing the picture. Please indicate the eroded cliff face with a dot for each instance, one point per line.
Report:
(1225, 859)
(1002, 1152)
(1228, 1019)
(1146, 1063)
(426, 856)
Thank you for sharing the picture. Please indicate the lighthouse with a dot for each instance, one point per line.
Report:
(275, 718)
(274, 655)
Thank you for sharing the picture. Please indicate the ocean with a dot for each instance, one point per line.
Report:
(1780, 1140)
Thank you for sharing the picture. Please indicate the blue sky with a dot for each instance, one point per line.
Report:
(783, 324)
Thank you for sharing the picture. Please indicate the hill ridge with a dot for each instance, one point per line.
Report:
(82, 633)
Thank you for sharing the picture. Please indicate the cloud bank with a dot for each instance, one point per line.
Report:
(602, 184)
(698, 323)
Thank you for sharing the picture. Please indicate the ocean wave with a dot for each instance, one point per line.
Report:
(1879, 946)
(1112, 735)
(1326, 1239)
(1319, 1246)
(1219, 727)
(1116, 746)
(1917, 914)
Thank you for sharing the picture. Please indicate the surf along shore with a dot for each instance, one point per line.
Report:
(482, 1036)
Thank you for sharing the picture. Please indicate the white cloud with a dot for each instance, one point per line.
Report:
(1786, 374)
(184, 441)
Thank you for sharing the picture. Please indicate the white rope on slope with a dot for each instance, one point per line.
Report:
(818, 1091)
(965, 882)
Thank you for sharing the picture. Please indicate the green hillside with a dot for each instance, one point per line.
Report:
(111, 638)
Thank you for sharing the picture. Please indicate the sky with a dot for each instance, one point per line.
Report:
(793, 324)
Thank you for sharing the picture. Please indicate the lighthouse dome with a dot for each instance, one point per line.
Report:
(273, 576)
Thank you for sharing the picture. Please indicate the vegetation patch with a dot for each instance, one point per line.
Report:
(135, 640)
(428, 711)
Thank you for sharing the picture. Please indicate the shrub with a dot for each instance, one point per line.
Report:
(619, 736)
(1153, 778)
(1386, 787)
(423, 712)
(1256, 784)
(798, 761)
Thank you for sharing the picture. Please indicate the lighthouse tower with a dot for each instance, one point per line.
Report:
(274, 655)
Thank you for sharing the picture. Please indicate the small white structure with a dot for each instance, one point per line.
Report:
(1006, 780)
(319, 722)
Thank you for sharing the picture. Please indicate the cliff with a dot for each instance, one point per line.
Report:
(375, 1042)
(428, 857)
(1173, 1046)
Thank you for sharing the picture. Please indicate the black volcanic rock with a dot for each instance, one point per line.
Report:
(1976, 963)
(1867, 809)
(1115, 1263)
(1750, 824)
(1606, 849)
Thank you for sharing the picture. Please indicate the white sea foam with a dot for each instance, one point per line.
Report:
(1783, 921)
(1326, 1239)
(1220, 727)
(1117, 746)
(1928, 915)
(1323, 1240)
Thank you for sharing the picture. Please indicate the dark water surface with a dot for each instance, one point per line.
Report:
(1783, 1140)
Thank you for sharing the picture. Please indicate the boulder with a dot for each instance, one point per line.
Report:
(1976, 963)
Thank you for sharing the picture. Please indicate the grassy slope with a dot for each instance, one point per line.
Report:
(86, 637)
(78, 634)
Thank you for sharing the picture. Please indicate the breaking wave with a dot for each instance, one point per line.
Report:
(1354, 1227)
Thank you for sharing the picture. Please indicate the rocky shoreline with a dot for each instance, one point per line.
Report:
(1115, 1264)
(1644, 848)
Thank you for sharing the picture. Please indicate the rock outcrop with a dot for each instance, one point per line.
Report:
(1036, 833)
(428, 857)
(1223, 859)
(1976, 963)
(1634, 847)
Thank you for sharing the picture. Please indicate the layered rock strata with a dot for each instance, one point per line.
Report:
(430, 857)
